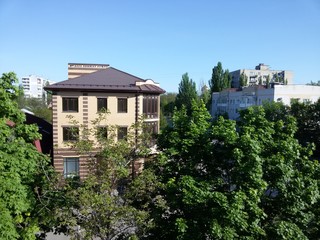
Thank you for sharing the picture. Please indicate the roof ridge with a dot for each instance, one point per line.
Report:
(125, 73)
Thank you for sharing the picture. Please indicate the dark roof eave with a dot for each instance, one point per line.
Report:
(105, 90)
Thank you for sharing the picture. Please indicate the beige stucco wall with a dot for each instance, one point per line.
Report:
(113, 118)
(90, 102)
(87, 112)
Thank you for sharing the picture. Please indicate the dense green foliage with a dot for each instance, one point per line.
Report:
(98, 204)
(167, 101)
(220, 79)
(244, 80)
(228, 180)
(314, 83)
(187, 93)
(252, 179)
(24, 172)
(38, 106)
(308, 117)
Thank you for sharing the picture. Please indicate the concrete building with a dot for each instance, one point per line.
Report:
(33, 86)
(126, 97)
(232, 100)
(261, 75)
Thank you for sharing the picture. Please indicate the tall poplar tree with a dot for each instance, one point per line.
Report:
(243, 80)
(220, 79)
(187, 93)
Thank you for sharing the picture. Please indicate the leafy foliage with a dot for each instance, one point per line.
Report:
(167, 102)
(220, 79)
(243, 80)
(187, 93)
(38, 106)
(99, 204)
(308, 115)
(227, 180)
(24, 172)
(314, 83)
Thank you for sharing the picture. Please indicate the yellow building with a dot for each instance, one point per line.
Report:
(90, 88)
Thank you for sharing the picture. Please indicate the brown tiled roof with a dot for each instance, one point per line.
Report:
(106, 80)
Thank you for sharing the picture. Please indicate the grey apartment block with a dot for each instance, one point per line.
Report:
(260, 75)
(231, 101)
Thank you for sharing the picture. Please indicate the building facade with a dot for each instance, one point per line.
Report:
(261, 75)
(79, 69)
(126, 97)
(231, 101)
(33, 86)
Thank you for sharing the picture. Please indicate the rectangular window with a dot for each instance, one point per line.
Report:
(70, 104)
(150, 106)
(122, 105)
(102, 132)
(102, 104)
(70, 167)
(122, 133)
(151, 128)
(70, 133)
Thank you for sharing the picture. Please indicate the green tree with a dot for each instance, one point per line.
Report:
(167, 102)
(220, 79)
(227, 180)
(268, 81)
(39, 108)
(98, 204)
(24, 171)
(243, 80)
(205, 94)
(48, 96)
(226, 79)
(307, 115)
(187, 93)
(314, 83)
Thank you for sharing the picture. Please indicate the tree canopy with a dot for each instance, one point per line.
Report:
(244, 80)
(187, 92)
(24, 172)
(227, 180)
(220, 79)
(99, 204)
(314, 83)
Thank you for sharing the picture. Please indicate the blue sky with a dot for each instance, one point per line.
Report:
(160, 40)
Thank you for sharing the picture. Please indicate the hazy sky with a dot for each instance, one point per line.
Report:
(160, 40)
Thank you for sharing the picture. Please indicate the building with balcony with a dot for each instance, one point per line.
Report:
(126, 97)
(261, 75)
(231, 101)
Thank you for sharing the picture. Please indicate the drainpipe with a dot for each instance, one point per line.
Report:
(136, 134)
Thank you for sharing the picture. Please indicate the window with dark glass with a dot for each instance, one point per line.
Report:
(122, 105)
(70, 104)
(151, 128)
(70, 167)
(150, 106)
(122, 133)
(70, 133)
(102, 104)
(102, 132)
